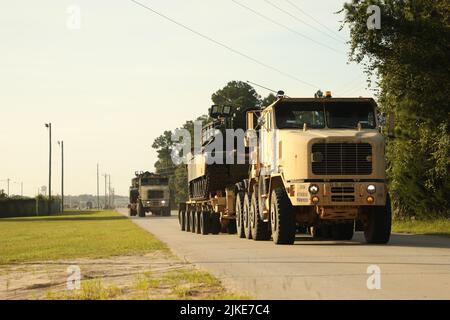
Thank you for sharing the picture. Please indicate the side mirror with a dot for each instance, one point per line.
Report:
(261, 121)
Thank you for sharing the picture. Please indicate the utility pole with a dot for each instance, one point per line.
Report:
(98, 190)
(49, 126)
(21, 189)
(109, 191)
(61, 144)
(105, 175)
(7, 181)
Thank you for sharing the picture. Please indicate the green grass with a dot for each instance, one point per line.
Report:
(89, 234)
(427, 227)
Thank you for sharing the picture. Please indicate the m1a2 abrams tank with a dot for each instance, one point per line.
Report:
(213, 173)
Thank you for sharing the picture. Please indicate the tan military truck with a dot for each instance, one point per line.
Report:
(319, 164)
(149, 192)
(314, 164)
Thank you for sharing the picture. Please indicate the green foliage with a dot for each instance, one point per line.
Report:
(410, 57)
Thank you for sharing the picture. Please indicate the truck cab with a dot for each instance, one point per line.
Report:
(318, 165)
(149, 192)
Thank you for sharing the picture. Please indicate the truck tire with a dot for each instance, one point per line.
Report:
(198, 219)
(204, 222)
(183, 220)
(378, 228)
(166, 212)
(322, 231)
(231, 226)
(282, 218)
(131, 212)
(259, 228)
(194, 221)
(342, 231)
(239, 209)
(188, 219)
(246, 217)
(140, 210)
(215, 225)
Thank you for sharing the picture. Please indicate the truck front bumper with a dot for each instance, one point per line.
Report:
(336, 194)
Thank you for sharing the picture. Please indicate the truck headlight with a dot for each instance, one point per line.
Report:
(163, 202)
(313, 189)
(371, 189)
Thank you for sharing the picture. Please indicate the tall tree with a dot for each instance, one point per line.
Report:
(410, 56)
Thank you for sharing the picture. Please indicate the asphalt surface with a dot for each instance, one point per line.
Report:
(411, 266)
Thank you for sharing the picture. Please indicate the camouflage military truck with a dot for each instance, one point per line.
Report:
(149, 192)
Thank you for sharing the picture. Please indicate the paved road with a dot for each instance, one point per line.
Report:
(412, 267)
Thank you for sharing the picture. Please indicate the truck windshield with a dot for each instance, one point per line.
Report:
(335, 115)
(348, 115)
(296, 115)
(153, 181)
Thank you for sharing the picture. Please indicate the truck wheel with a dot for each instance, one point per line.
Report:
(188, 220)
(239, 214)
(342, 231)
(378, 228)
(140, 210)
(167, 212)
(282, 218)
(322, 231)
(259, 228)
(131, 212)
(215, 223)
(246, 217)
(204, 222)
(231, 227)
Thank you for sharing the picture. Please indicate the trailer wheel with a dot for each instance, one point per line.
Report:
(342, 231)
(282, 218)
(140, 210)
(259, 228)
(183, 220)
(204, 222)
(198, 221)
(188, 219)
(239, 214)
(246, 217)
(378, 228)
(194, 221)
(215, 223)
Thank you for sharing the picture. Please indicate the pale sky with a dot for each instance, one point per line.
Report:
(127, 75)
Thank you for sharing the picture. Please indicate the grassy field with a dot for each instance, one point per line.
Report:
(72, 235)
(146, 272)
(429, 227)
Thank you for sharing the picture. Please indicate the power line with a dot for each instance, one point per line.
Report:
(314, 19)
(285, 27)
(302, 21)
(225, 46)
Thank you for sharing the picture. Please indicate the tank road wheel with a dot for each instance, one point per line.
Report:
(342, 231)
(188, 219)
(378, 229)
(259, 228)
(215, 223)
(239, 209)
(282, 218)
(246, 217)
(204, 222)
(194, 221)
(140, 210)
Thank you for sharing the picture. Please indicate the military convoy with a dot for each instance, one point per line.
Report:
(149, 192)
(315, 165)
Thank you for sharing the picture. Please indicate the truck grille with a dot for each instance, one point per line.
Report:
(155, 194)
(342, 194)
(342, 158)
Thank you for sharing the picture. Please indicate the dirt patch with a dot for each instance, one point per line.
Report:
(157, 275)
